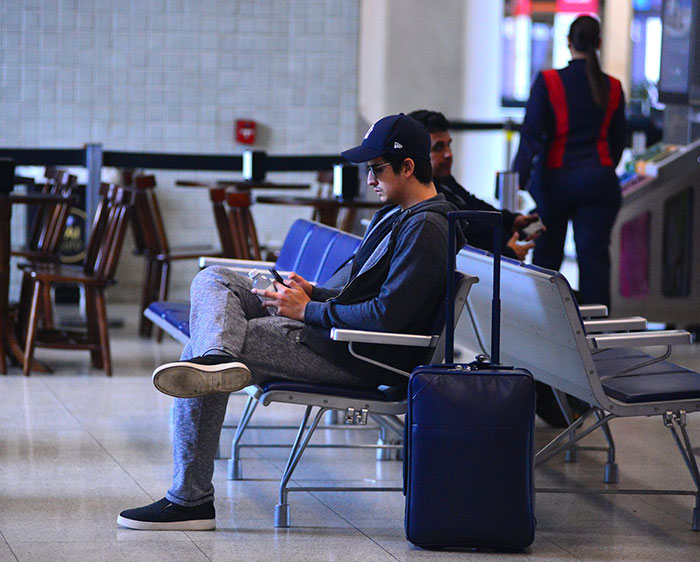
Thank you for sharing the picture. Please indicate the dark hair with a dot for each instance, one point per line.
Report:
(422, 170)
(434, 121)
(584, 35)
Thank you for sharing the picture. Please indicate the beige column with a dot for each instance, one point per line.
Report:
(616, 50)
(410, 56)
(478, 156)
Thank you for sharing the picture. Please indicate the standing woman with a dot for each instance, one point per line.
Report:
(572, 137)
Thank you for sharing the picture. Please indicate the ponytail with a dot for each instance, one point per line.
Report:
(584, 36)
(596, 79)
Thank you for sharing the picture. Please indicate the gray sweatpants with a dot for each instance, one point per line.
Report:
(225, 317)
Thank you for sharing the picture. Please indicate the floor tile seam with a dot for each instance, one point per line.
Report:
(9, 547)
(575, 487)
(198, 547)
(352, 525)
(646, 500)
(555, 543)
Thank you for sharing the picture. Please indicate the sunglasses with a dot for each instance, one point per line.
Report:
(374, 167)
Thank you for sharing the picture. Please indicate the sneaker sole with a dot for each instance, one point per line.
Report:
(193, 525)
(189, 380)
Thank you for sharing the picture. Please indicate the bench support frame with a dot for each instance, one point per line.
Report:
(674, 421)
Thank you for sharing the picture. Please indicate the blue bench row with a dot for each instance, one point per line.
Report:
(312, 250)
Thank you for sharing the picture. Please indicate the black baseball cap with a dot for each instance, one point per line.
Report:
(395, 134)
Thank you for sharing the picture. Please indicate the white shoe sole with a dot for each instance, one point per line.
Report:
(194, 525)
(183, 379)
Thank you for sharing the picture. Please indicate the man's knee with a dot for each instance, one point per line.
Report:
(216, 276)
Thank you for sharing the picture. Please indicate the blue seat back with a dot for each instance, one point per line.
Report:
(315, 251)
(312, 250)
(342, 248)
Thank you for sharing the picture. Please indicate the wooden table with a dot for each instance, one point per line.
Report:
(326, 210)
(241, 185)
(8, 340)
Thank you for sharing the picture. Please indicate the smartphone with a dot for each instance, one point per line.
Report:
(277, 276)
(263, 281)
(530, 229)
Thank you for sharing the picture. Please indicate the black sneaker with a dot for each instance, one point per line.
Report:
(201, 375)
(164, 515)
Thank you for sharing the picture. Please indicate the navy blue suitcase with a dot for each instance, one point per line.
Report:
(469, 441)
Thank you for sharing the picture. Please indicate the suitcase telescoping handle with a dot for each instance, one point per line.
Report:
(496, 218)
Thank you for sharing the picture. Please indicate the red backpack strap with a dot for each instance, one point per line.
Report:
(614, 97)
(557, 97)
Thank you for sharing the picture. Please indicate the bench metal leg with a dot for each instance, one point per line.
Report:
(571, 454)
(389, 424)
(678, 419)
(333, 417)
(383, 454)
(612, 475)
(555, 446)
(674, 421)
(235, 470)
(282, 513)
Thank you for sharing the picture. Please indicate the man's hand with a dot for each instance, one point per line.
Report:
(520, 250)
(303, 283)
(289, 300)
(521, 221)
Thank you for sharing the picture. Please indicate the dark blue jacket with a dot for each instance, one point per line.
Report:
(478, 234)
(398, 287)
(565, 126)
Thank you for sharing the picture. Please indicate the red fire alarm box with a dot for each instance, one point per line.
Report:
(245, 131)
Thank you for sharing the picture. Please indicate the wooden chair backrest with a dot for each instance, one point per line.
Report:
(65, 185)
(223, 226)
(147, 217)
(242, 227)
(109, 229)
(50, 219)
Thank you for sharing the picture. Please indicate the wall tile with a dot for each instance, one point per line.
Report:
(173, 75)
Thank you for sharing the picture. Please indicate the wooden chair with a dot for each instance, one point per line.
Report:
(46, 233)
(49, 221)
(223, 227)
(241, 225)
(152, 242)
(97, 273)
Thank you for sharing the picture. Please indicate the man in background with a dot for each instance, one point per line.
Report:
(478, 234)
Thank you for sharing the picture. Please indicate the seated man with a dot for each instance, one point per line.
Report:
(236, 341)
(478, 234)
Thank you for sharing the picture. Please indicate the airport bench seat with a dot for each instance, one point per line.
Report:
(546, 332)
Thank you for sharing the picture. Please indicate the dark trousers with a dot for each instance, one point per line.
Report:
(590, 198)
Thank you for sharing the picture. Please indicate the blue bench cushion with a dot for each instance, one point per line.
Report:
(290, 386)
(176, 314)
(661, 381)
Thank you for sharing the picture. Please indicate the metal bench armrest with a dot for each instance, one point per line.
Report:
(593, 310)
(604, 325)
(386, 338)
(238, 265)
(639, 339)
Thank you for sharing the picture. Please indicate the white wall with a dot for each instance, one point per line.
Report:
(172, 76)
(437, 55)
(410, 56)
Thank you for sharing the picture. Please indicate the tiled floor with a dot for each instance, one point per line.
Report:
(77, 447)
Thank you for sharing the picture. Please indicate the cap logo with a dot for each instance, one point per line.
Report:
(368, 132)
(397, 145)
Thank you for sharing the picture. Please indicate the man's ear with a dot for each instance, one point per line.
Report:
(409, 166)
